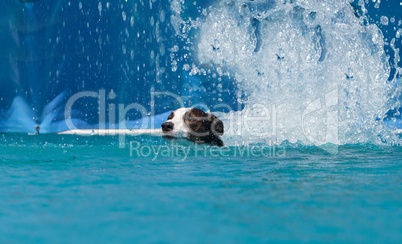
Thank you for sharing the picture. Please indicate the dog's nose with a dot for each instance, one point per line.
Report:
(167, 126)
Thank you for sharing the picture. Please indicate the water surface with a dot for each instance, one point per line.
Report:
(87, 189)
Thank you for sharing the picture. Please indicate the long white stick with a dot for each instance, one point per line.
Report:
(112, 132)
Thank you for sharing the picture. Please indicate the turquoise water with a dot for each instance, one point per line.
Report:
(86, 189)
(324, 73)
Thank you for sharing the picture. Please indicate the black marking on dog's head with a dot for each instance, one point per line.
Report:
(203, 127)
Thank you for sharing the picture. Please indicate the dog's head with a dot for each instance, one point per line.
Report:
(194, 125)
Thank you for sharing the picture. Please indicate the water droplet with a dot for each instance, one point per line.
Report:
(123, 14)
(100, 8)
(132, 21)
(384, 20)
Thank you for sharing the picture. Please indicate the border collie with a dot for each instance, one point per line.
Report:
(194, 125)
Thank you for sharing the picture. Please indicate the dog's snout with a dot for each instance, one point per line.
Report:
(167, 126)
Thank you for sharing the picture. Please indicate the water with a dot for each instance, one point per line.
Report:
(318, 73)
(69, 189)
(308, 92)
(305, 59)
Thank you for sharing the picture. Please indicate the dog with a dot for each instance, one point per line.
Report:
(194, 125)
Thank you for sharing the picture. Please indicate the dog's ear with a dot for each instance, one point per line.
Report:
(216, 125)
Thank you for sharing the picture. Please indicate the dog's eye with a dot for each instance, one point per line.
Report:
(171, 116)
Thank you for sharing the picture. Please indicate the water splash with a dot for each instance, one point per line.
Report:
(312, 72)
(21, 118)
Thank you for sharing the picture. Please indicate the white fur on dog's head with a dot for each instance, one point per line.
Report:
(193, 125)
(180, 129)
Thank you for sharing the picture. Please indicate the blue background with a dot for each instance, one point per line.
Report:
(58, 47)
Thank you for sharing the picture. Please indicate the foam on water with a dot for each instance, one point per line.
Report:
(310, 71)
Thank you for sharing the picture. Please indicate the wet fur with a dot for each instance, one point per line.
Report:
(193, 125)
